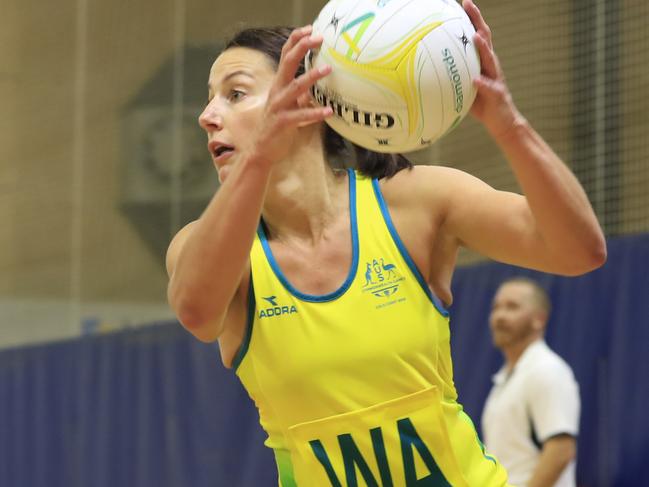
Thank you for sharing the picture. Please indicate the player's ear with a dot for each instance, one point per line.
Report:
(539, 320)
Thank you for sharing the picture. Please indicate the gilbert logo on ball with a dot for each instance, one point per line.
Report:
(402, 70)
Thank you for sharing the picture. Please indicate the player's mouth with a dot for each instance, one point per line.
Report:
(220, 151)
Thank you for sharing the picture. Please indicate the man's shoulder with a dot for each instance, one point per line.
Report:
(546, 363)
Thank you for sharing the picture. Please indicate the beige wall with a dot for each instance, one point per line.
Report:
(60, 179)
(126, 43)
(538, 75)
(635, 116)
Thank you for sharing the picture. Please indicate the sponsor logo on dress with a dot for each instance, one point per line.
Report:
(275, 309)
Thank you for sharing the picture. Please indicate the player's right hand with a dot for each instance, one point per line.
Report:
(285, 111)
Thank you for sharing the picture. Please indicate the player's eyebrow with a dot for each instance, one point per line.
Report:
(233, 74)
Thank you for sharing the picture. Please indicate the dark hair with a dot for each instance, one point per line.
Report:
(270, 40)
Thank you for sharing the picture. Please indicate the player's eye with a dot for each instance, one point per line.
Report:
(235, 95)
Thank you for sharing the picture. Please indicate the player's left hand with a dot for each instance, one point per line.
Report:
(493, 105)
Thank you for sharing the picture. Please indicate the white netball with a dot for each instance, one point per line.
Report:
(402, 70)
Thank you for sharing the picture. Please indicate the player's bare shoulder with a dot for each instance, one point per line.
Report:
(425, 186)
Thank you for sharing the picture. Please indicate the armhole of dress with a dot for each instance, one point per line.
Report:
(437, 303)
(249, 324)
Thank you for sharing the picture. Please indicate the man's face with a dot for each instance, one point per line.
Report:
(515, 315)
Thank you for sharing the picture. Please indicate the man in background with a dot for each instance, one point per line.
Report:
(531, 418)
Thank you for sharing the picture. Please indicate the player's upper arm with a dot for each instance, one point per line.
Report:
(204, 331)
(497, 224)
(175, 247)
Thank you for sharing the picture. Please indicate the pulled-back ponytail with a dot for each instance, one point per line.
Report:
(379, 165)
(373, 164)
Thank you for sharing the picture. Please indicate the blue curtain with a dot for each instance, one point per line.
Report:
(153, 407)
(144, 408)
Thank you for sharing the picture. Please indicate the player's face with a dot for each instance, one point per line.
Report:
(514, 315)
(238, 87)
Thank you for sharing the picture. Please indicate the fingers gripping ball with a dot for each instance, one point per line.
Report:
(402, 73)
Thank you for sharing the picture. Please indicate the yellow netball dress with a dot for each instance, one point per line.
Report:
(355, 388)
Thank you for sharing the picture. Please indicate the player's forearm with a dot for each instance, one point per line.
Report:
(565, 219)
(212, 260)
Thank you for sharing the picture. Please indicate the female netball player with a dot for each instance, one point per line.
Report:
(332, 310)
